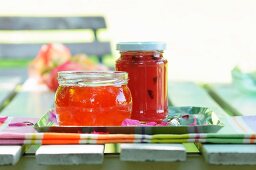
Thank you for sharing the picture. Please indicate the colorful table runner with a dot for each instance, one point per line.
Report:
(240, 129)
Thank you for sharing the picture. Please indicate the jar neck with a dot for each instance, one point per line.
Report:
(92, 79)
(146, 55)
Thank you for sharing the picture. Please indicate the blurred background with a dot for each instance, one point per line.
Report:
(205, 38)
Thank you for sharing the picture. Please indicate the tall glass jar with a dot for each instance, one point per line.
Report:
(147, 70)
(92, 98)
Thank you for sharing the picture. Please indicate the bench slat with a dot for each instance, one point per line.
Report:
(70, 154)
(228, 154)
(7, 87)
(29, 104)
(22, 51)
(46, 23)
(152, 152)
(10, 155)
(239, 103)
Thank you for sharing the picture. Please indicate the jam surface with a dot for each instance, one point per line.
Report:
(147, 73)
(93, 106)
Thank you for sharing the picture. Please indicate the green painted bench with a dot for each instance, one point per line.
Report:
(13, 51)
(29, 50)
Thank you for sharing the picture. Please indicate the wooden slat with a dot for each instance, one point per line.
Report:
(29, 104)
(238, 102)
(22, 73)
(152, 152)
(228, 154)
(7, 87)
(70, 154)
(33, 100)
(30, 50)
(10, 155)
(189, 94)
(46, 23)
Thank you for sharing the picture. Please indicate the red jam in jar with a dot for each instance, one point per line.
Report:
(147, 70)
(92, 98)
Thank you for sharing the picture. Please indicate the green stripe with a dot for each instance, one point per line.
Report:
(14, 63)
(170, 136)
(169, 141)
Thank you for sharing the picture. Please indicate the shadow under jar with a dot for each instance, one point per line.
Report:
(147, 70)
(92, 98)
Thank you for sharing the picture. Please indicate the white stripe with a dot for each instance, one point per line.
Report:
(87, 141)
(90, 136)
(29, 141)
(37, 136)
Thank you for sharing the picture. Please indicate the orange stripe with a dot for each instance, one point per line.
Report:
(239, 125)
(252, 138)
(61, 136)
(60, 142)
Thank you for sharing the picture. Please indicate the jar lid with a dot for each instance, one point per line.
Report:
(141, 46)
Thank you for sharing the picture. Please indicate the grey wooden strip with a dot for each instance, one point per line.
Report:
(70, 154)
(46, 23)
(10, 155)
(7, 87)
(30, 104)
(238, 102)
(33, 100)
(188, 93)
(152, 152)
(227, 154)
(29, 51)
(21, 73)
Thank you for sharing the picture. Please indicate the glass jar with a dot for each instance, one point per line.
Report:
(92, 98)
(147, 70)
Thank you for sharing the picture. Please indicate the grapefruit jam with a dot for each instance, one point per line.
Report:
(148, 83)
(92, 98)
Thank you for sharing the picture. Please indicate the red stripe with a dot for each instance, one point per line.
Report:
(252, 138)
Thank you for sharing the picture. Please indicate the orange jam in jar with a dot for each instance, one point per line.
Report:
(92, 98)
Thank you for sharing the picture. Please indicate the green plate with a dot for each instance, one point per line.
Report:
(179, 120)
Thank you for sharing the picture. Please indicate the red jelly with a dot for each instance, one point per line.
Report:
(92, 98)
(147, 70)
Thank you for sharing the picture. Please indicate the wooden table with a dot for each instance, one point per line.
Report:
(32, 101)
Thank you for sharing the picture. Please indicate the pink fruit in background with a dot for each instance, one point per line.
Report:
(52, 81)
(52, 58)
(48, 57)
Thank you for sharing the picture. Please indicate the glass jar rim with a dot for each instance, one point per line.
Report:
(92, 78)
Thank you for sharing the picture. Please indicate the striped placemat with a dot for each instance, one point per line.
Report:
(242, 129)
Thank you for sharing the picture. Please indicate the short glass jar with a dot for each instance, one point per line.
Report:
(147, 70)
(92, 98)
